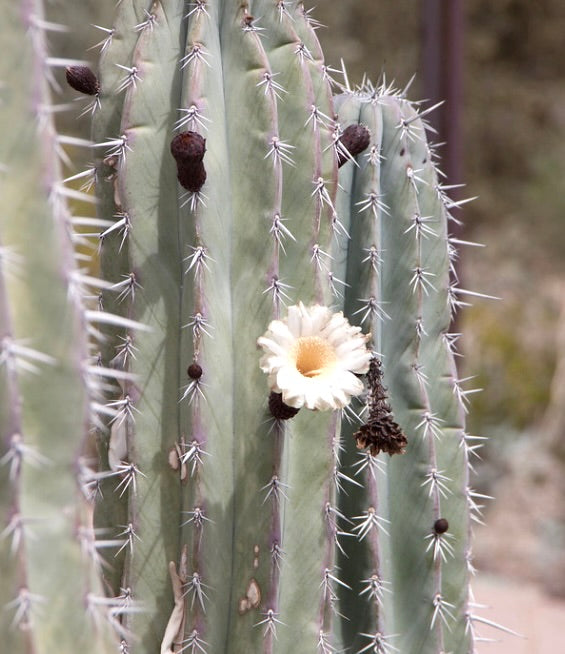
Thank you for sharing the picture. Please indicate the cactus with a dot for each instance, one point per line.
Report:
(51, 591)
(237, 206)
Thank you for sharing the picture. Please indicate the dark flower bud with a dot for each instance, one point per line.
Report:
(188, 149)
(279, 409)
(354, 139)
(441, 526)
(82, 79)
(191, 176)
(194, 371)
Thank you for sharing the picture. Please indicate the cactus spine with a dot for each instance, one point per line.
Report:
(222, 528)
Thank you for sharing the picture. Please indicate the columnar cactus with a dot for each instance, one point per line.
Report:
(245, 230)
(51, 591)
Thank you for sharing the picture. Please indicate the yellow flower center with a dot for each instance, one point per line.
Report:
(313, 356)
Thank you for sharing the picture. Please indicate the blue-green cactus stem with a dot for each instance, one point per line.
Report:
(243, 513)
(256, 184)
(44, 356)
(12, 552)
(251, 215)
(304, 110)
(362, 210)
(118, 347)
(397, 208)
(155, 269)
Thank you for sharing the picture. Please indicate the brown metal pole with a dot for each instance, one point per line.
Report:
(431, 57)
(453, 88)
(442, 79)
(442, 72)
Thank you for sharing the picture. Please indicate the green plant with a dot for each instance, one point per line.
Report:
(220, 527)
(51, 591)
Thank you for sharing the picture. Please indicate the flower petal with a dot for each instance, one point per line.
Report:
(356, 361)
(294, 320)
(281, 333)
(272, 347)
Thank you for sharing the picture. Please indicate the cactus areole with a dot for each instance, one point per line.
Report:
(271, 324)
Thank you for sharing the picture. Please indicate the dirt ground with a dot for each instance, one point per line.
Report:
(524, 608)
(519, 550)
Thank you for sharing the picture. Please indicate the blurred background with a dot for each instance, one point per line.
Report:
(500, 67)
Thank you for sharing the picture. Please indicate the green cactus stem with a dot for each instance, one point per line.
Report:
(210, 271)
(51, 590)
(249, 223)
(398, 206)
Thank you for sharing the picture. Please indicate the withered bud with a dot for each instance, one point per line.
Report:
(82, 79)
(279, 409)
(441, 526)
(191, 176)
(380, 433)
(354, 139)
(188, 149)
(194, 371)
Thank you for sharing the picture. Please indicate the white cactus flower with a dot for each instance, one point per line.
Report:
(312, 357)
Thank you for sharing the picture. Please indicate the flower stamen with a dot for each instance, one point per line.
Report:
(314, 356)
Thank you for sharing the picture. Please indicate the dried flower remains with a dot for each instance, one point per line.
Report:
(380, 433)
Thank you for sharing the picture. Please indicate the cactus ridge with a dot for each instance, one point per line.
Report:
(231, 187)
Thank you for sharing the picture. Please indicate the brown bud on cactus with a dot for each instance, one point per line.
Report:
(354, 140)
(82, 79)
(441, 526)
(191, 176)
(194, 371)
(279, 409)
(188, 149)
